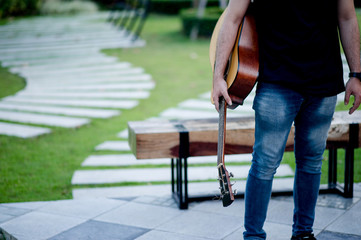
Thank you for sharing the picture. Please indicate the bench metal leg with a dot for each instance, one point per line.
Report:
(349, 171)
(332, 168)
(180, 182)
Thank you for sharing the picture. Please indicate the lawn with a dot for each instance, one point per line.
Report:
(41, 168)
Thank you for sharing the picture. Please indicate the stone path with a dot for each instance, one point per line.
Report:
(68, 80)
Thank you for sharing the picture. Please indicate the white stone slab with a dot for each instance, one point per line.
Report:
(123, 134)
(22, 131)
(177, 113)
(86, 80)
(98, 87)
(48, 54)
(194, 189)
(120, 160)
(122, 43)
(106, 95)
(74, 62)
(121, 192)
(83, 112)
(160, 174)
(113, 146)
(129, 159)
(84, 74)
(125, 104)
(70, 70)
(207, 105)
(49, 120)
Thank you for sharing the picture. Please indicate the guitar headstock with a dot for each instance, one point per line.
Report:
(227, 194)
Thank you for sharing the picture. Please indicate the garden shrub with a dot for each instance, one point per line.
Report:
(67, 7)
(14, 8)
(206, 23)
(175, 6)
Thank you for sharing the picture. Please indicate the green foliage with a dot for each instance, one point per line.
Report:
(67, 7)
(12, 8)
(206, 23)
(9, 83)
(169, 6)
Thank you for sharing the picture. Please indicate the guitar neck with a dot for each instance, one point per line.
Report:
(221, 130)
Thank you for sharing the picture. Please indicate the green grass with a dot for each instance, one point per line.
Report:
(41, 168)
(9, 83)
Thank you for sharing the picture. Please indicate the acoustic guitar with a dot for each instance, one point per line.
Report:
(241, 75)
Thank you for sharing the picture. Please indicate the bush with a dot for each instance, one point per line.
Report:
(13, 8)
(206, 24)
(175, 6)
(67, 7)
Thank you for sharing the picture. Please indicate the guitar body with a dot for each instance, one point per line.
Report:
(241, 75)
(242, 69)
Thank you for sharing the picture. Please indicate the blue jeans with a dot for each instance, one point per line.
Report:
(276, 109)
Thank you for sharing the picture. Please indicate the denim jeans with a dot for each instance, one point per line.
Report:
(276, 109)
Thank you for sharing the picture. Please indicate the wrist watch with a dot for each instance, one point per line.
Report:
(355, 75)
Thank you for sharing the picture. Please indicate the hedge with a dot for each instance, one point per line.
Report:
(206, 24)
(175, 6)
(13, 8)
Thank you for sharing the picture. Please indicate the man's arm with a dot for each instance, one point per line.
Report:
(350, 38)
(227, 35)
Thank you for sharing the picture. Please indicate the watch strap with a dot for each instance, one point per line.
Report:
(355, 75)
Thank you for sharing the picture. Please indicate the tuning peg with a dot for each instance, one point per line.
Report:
(233, 183)
(231, 174)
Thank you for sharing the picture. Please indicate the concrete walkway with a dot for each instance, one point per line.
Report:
(157, 217)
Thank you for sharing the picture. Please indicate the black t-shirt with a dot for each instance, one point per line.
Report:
(299, 45)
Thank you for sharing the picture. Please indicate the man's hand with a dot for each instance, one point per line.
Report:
(353, 87)
(220, 89)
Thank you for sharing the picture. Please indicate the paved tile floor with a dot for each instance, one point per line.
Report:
(157, 217)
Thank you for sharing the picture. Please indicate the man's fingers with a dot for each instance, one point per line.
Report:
(355, 105)
(227, 98)
(347, 97)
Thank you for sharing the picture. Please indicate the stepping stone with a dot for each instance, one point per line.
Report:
(49, 120)
(125, 104)
(129, 159)
(100, 45)
(98, 87)
(83, 112)
(22, 131)
(194, 189)
(73, 62)
(207, 105)
(70, 70)
(89, 75)
(114, 146)
(123, 134)
(160, 174)
(93, 79)
(177, 113)
(117, 95)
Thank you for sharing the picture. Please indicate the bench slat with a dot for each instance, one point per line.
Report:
(160, 139)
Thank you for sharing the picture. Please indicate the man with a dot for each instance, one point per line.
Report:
(299, 77)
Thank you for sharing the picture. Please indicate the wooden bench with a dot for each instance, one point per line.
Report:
(181, 139)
